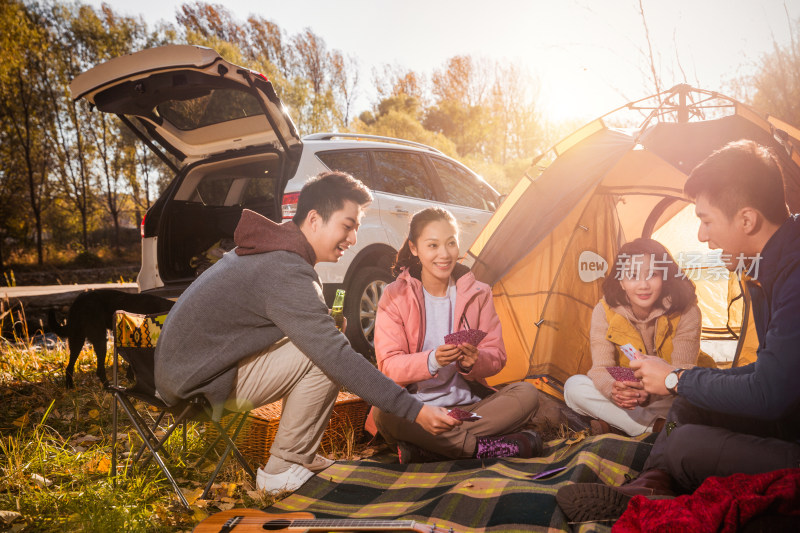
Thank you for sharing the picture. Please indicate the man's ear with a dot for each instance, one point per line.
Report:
(750, 220)
(312, 220)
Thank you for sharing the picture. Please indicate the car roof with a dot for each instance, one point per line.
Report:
(316, 144)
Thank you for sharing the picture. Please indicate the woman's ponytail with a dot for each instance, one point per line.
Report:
(404, 259)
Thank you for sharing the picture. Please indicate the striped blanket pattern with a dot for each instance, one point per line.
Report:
(471, 495)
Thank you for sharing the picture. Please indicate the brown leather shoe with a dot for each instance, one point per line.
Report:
(583, 502)
(658, 425)
(599, 427)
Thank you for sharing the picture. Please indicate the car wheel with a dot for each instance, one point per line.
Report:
(361, 306)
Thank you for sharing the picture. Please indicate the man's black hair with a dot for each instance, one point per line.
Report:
(327, 192)
(741, 174)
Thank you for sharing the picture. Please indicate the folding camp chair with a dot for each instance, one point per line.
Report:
(135, 338)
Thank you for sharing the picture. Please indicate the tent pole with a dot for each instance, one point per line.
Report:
(683, 111)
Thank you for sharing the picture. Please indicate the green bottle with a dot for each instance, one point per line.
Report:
(337, 311)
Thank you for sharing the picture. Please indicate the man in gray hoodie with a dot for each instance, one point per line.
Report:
(254, 329)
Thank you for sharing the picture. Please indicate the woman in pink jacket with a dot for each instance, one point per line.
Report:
(432, 297)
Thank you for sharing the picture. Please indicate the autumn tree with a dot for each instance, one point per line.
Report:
(24, 75)
(775, 86)
(395, 80)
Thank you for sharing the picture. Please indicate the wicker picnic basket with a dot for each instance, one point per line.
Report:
(254, 441)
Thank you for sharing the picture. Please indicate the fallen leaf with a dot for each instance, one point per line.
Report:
(22, 421)
(198, 515)
(41, 481)
(86, 438)
(577, 438)
(191, 495)
(202, 504)
(101, 465)
(231, 489)
(225, 506)
(94, 413)
(9, 516)
(254, 494)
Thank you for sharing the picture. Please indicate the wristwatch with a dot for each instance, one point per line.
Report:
(671, 381)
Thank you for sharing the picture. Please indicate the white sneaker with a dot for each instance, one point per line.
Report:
(291, 479)
(319, 463)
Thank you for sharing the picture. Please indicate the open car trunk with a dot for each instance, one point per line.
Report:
(201, 211)
(219, 127)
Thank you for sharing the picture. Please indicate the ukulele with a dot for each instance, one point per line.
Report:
(244, 520)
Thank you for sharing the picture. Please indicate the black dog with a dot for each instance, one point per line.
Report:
(91, 314)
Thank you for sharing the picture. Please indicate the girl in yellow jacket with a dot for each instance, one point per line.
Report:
(648, 302)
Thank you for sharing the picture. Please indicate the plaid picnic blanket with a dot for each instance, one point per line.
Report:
(470, 495)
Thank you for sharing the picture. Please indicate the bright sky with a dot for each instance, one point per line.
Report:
(589, 56)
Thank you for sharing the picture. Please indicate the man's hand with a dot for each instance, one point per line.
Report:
(652, 371)
(446, 354)
(469, 355)
(435, 420)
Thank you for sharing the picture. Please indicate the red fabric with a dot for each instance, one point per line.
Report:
(256, 234)
(720, 504)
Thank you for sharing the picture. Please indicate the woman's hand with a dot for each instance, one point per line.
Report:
(435, 420)
(446, 354)
(469, 355)
(626, 396)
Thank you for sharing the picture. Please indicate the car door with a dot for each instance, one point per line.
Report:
(469, 198)
(402, 186)
(356, 163)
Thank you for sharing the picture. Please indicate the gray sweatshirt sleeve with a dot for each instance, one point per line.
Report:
(296, 306)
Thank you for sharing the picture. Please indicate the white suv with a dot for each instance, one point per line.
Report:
(226, 135)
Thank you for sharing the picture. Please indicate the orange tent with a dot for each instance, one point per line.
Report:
(546, 248)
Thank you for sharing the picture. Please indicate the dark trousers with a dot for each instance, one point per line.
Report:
(705, 443)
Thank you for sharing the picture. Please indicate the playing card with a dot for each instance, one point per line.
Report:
(469, 336)
(548, 473)
(460, 414)
(629, 351)
(620, 373)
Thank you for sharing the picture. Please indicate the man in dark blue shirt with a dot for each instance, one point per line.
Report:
(740, 420)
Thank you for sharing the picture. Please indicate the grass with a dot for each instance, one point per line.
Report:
(55, 456)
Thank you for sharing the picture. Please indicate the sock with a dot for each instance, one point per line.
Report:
(276, 465)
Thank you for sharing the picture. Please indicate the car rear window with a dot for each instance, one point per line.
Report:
(212, 107)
